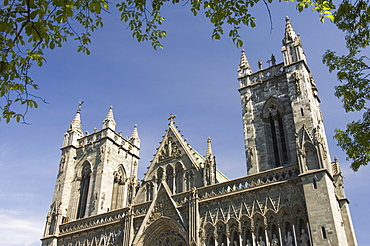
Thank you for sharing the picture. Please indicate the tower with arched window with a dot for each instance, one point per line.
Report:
(97, 174)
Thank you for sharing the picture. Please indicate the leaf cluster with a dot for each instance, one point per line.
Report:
(353, 70)
(27, 29)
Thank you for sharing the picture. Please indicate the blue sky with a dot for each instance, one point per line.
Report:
(193, 77)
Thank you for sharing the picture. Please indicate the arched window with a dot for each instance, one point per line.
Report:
(169, 177)
(275, 132)
(179, 178)
(118, 195)
(84, 189)
(312, 162)
(159, 175)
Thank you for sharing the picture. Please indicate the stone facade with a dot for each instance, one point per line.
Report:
(293, 193)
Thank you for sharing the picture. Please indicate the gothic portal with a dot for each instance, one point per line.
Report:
(293, 194)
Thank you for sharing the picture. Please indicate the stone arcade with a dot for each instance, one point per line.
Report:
(293, 193)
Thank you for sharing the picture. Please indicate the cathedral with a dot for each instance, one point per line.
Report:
(293, 194)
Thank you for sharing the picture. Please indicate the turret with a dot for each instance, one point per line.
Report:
(292, 46)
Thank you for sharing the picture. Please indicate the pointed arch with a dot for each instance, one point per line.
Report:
(312, 160)
(118, 190)
(84, 175)
(221, 232)
(170, 177)
(189, 180)
(149, 187)
(273, 114)
(179, 172)
(164, 230)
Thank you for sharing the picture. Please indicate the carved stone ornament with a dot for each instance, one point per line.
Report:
(170, 150)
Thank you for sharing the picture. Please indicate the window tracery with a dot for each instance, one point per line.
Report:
(275, 132)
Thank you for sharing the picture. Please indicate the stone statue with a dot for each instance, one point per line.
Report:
(304, 238)
(273, 60)
(248, 243)
(260, 64)
(274, 241)
(261, 242)
(288, 239)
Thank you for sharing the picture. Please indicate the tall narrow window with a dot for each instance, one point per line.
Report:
(275, 132)
(118, 188)
(84, 189)
(189, 176)
(179, 178)
(169, 177)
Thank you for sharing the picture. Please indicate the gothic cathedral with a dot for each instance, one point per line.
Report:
(293, 194)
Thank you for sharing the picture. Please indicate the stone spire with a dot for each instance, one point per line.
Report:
(109, 120)
(290, 34)
(209, 176)
(209, 148)
(135, 140)
(244, 64)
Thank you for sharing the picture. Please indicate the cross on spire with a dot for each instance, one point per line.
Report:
(171, 118)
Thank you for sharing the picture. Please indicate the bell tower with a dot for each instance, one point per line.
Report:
(283, 126)
(97, 173)
(281, 113)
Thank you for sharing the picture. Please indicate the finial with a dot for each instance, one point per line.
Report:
(171, 118)
(79, 106)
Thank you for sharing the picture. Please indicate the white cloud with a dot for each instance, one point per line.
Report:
(20, 228)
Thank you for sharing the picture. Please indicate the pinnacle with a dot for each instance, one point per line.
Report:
(209, 148)
(76, 122)
(135, 133)
(110, 114)
(244, 62)
(290, 34)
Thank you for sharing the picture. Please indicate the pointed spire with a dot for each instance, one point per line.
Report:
(135, 133)
(290, 34)
(135, 140)
(244, 64)
(209, 148)
(76, 122)
(109, 120)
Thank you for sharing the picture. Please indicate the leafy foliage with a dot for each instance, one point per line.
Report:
(29, 27)
(353, 72)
